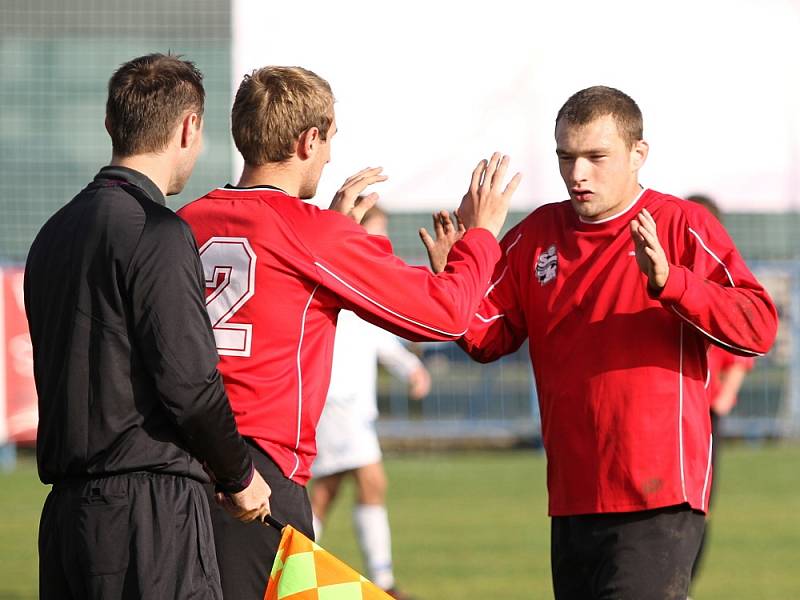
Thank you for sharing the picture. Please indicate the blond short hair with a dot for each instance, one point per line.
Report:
(273, 107)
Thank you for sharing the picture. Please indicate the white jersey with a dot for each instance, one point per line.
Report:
(354, 376)
(346, 437)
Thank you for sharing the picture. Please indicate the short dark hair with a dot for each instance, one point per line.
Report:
(708, 203)
(591, 103)
(147, 96)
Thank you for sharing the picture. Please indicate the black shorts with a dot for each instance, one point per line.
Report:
(246, 551)
(139, 535)
(646, 555)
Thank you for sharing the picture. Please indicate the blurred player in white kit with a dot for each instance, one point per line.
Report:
(347, 443)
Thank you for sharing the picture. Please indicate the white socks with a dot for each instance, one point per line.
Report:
(317, 527)
(371, 523)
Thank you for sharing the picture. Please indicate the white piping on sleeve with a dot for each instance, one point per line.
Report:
(708, 470)
(730, 279)
(718, 341)
(514, 243)
(499, 279)
(489, 319)
(300, 382)
(382, 307)
(714, 256)
(503, 274)
(680, 414)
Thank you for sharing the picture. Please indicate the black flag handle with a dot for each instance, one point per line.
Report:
(270, 520)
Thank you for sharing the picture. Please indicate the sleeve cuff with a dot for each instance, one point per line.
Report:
(673, 290)
(238, 486)
(486, 238)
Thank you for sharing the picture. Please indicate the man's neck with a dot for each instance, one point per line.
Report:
(279, 175)
(157, 167)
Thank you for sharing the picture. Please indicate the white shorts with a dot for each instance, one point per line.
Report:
(344, 442)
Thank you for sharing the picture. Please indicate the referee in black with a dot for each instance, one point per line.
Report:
(133, 414)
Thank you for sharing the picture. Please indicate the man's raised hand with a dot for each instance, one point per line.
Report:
(486, 203)
(349, 199)
(446, 234)
(650, 256)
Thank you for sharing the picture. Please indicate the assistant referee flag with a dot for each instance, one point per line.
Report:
(304, 571)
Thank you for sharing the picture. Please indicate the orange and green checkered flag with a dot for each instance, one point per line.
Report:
(304, 571)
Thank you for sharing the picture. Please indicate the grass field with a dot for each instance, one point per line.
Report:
(474, 525)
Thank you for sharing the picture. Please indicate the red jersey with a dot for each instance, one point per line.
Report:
(621, 372)
(277, 273)
(719, 361)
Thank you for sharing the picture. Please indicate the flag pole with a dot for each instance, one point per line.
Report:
(270, 520)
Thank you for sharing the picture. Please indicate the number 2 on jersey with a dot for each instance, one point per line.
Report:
(229, 268)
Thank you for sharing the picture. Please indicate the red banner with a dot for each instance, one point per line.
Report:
(17, 389)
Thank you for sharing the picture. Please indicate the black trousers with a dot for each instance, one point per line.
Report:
(139, 535)
(644, 555)
(246, 551)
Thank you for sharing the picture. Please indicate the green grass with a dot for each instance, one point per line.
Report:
(21, 499)
(474, 525)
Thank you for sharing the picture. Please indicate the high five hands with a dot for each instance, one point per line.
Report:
(446, 234)
(484, 205)
(650, 256)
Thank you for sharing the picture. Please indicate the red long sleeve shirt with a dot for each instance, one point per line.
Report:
(621, 372)
(277, 273)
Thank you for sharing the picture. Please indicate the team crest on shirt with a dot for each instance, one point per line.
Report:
(547, 265)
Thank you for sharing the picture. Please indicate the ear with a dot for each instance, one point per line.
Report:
(307, 143)
(190, 129)
(108, 125)
(639, 154)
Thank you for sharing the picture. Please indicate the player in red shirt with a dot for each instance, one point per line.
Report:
(278, 271)
(620, 290)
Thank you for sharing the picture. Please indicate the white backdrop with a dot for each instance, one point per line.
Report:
(426, 88)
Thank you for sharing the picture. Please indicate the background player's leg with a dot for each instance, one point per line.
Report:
(371, 484)
(323, 492)
(371, 523)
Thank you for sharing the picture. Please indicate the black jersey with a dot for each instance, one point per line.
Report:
(124, 358)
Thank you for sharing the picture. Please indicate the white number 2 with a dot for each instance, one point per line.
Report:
(229, 267)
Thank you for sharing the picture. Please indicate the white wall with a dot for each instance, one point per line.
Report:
(427, 88)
